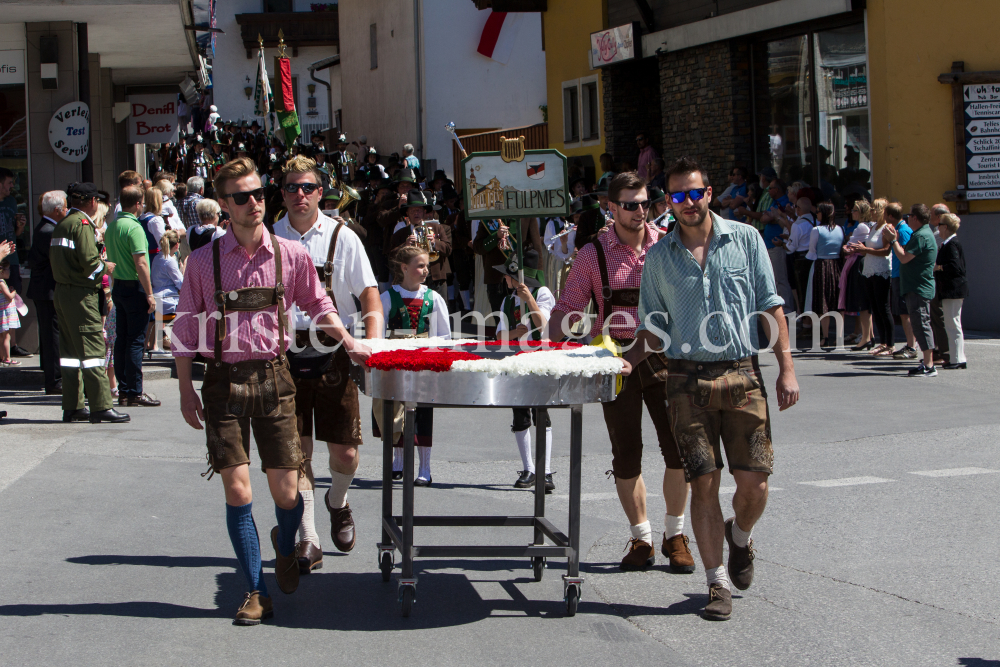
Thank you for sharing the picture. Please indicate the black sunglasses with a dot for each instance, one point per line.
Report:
(696, 195)
(632, 206)
(241, 198)
(307, 188)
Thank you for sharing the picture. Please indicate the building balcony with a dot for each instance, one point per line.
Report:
(299, 28)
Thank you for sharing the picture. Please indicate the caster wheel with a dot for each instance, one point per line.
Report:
(386, 566)
(572, 600)
(538, 567)
(406, 599)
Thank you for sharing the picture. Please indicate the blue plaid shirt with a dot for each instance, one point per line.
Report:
(710, 314)
(189, 210)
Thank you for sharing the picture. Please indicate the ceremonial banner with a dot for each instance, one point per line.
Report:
(262, 94)
(284, 101)
(515, 183)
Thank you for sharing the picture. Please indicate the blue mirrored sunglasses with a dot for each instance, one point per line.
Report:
(696, 195)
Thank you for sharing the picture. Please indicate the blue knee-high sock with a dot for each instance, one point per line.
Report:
(288, 524)
(246, 544)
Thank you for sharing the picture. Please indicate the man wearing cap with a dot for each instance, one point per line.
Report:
(132, 294)
(601, 192)
(329, 397)
(610, 270)
(413, 213)
(344, 161)
(659, 212)
(78, 269)
(496, 243)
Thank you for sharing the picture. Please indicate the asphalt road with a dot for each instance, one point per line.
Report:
(879, 545)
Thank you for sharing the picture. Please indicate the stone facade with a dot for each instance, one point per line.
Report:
(705, 99)
(631, 106)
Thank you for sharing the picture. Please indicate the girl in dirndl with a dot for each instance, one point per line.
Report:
(8, 315)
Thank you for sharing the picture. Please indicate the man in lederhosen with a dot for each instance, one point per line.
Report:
(324, 391)
(250, 278)
(609, 269)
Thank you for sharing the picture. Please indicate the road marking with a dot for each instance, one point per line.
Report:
(954, 472)
(847, 481)
(982, 342)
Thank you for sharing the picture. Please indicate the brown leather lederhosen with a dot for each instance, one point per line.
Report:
(260, 390)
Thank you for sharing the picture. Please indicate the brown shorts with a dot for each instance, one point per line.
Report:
(624, 420)
(717, 401)
(258, 395)
(332, 402)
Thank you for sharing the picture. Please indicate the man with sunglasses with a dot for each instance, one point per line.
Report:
(610, 270)
(330, 399)
(237, 291)
(703, 288)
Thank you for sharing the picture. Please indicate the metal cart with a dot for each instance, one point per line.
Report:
(478, 390)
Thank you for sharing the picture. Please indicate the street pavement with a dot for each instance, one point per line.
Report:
(879, 544)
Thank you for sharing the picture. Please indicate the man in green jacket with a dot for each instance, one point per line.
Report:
(78, 269)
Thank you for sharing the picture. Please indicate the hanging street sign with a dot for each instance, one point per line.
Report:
(982, 109)
(69, 131)
(984, 163)
(981, 106)
(515, 183)
(982, 194)
(984, 179)
(984, 145)
(982, 92)
(983, 128)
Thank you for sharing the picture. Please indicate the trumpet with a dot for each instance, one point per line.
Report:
(424, 242)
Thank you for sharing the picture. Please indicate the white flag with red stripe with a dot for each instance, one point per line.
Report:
(499, 34)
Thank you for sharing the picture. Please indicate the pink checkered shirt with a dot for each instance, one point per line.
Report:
(624, 271)
(239, 270)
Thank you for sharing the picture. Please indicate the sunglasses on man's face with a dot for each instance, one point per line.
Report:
(307, 188)
(241, 198)
(696, 195)
(632, 206)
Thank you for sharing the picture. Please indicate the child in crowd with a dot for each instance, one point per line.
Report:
(526, 312)
(8, 315)
(412, 309)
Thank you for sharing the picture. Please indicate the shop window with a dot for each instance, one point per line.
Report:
(571, 113)
(14, 156)
(817, 120)
(590, 107)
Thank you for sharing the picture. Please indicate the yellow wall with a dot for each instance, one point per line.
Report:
(567, 28)
(911, 42)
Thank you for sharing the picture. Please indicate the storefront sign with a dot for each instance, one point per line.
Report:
(11, 67)
(69, 132)
(515, 183)
(153, 119)
(615, 45)
(981, 102)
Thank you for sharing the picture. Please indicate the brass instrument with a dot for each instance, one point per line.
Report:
(424, 242)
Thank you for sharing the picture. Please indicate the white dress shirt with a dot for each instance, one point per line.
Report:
(170, 215)
(798, 235)
(352, 272)
(545, 302)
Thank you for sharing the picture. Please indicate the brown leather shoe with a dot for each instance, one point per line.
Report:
(341, 526)
(142, 401)
(640, 555)
(286, 568)
(254, 609)
(720, 603)
(676, 550)
(740, 560)
(309, 556)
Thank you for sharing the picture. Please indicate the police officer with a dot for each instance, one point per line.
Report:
(77, 269)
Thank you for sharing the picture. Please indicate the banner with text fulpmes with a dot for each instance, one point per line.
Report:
(515, 183)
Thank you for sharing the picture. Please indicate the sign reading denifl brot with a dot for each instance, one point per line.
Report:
(515, 183)
(152, 119)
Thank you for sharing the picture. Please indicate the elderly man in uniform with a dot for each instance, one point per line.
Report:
(251, 278)
(78, 269)
(324, 391)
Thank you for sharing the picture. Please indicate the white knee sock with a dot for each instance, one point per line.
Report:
(672, 525)
(740, 538)
(548, 450)
(397, 459)
(307, 526)
(339, 484)
(718, 576)
(523, 439)
(642, 532)
(425, 462)
(465, 299)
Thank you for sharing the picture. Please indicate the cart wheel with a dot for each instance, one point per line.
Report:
(406, 598)
(538, 566)
(386, 566)
(572, 599)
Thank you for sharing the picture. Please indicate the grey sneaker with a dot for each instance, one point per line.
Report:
(922, 371)
(720, 603)
(905, 352)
